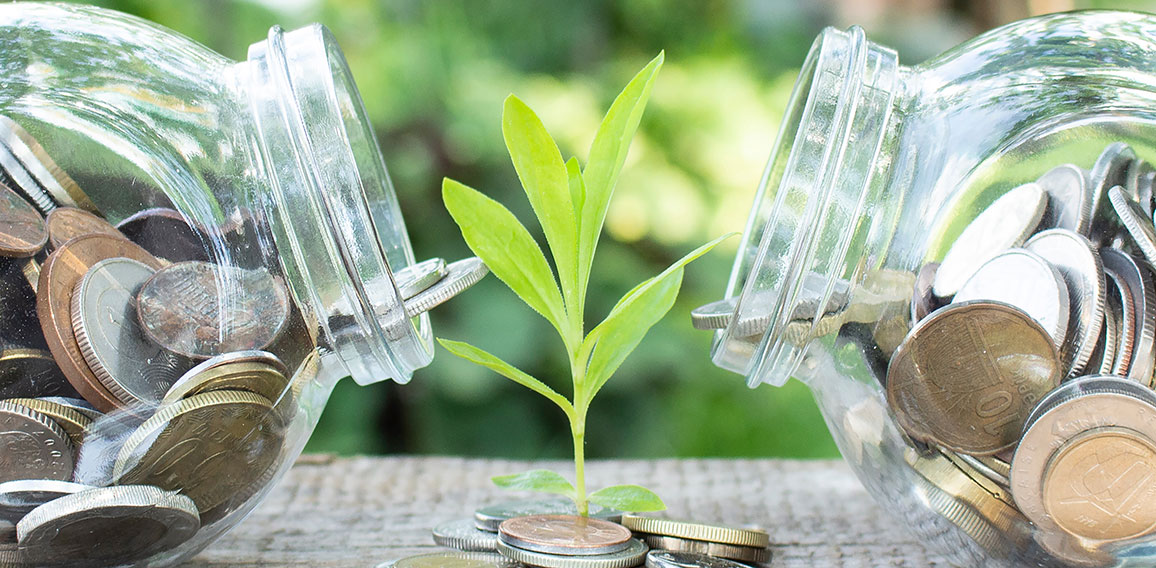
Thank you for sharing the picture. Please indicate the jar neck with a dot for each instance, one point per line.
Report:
(329, 204)
(821, 214)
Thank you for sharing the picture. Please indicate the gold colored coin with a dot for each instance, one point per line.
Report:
(255, 377)
(210, 446)
(73, 422)
(728, 551)
(1101, 485)
(968, 376)
(697, 531)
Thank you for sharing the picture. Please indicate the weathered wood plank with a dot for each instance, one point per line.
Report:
(367, 511)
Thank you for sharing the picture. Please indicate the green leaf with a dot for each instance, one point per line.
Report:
(620, 333)
(507, 248)
(481, 357)
(607, 155)
(628, 498)
(577, 187)
(540, 480)
(539, 165)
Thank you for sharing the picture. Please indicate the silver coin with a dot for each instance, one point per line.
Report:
(417, 277)
(466, 536)
(109, 333)
(1137, 279)
(1022, 279)
(453, 560)
(243, 356)
(21, 496)
(1137, 186)
(1069, 199)
(672, 559)
(1105, 355)
(1002, 225)
(40, 166)
(1110, 170)
(490, 517)
(715, 315)
(22, 180)
(1135, 221)
(459, 276)
(633, 555)
(116, 525)
(923, 300)
(1083, 273)
(32, 446)
(1120, 313)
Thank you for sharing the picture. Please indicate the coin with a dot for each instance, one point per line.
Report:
(1083, 272)
(22, 232)
(1136, 279)
(66, 223)
(114, 525)
(1105, 354)
(728, 551)
(255, 377)
(1079, 406)
(1100, 485)
(968, 375)
(1022, 279)
(455, 560)
(30, 373)
(1138, 184)
(73, 422)
(199, 310)
(22, 181)
(1002, 225)
(923, 301)
(165, 233)
(65, 267)
(109, 335)
(672, 559)
(1138, 224)
(1110, 170)
(19, 497)
(697, 531)
(40, 166)
(417, 277)
(32, 446)
(632, 556)
(1069, 198)
(571, 535)
(490, 517)
(79, 405)
(1119, 332)
(463, 535)
(715, 315)
(991, 467)
(209, 446)
(459, 276)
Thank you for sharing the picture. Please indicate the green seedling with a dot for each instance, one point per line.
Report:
(570, 204)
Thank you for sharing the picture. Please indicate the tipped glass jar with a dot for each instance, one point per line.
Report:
(192, 252)
(957, 258)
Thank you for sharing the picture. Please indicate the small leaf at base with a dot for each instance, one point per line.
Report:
(628, 498)
(540, 480)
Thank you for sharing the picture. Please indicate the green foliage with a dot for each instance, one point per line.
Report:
(571, 212)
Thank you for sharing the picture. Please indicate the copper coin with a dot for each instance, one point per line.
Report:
(571, 535)
(199, 310)
(32, 446)
(67, 223)
(165, 233)
(60, 274)
(22, 232)
(968, 376)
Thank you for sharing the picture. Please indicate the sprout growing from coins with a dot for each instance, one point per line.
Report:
(570, 203)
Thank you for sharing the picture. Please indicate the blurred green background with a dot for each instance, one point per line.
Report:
(433, 74)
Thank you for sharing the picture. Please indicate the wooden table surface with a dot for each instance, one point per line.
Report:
(366, 511)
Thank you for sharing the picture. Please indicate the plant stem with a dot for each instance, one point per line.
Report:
(578, 430)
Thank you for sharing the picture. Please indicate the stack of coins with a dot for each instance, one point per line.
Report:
(146, 387)
(718, 541)
(1021, 367)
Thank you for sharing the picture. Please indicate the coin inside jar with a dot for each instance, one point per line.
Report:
(63, 269)
(968, 375)
(253, 376)
(66, 223)
(32, 446)
(199, 309)
(20, 497)
(1022, 279)
(31, 372)
(1137, 287)
(73, 422)
(1083, 272)
(22, 231)
(1069, 198)
(572, 535)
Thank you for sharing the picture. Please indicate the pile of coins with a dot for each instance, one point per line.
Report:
(145, 390)
(1022, 371)
(548, 534)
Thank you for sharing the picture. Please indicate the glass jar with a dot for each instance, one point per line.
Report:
(878, 172)
(263, 262)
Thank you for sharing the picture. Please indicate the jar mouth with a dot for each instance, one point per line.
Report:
(332, 207)
(808, 207)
